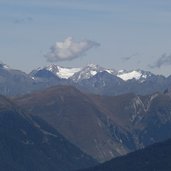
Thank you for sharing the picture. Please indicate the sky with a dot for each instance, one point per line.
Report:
(124, 34)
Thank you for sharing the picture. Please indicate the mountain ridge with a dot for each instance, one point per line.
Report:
(86, 72)
(29, 143)
(113, 125)
(91, 79)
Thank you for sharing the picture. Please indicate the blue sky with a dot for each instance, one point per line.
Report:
(131, 33)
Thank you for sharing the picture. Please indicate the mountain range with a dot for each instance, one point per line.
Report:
(72, 118)
(90, 79)
(79, 74)
(103, 127)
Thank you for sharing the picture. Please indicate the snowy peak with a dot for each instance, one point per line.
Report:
(89, 71)
(62, 72)
(52, 68)
(78, 74)
(67, 72)
(134, 74)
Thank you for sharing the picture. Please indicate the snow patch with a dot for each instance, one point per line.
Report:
(6, 67)
(67, 72)
(62, 72)
(109, 71)
(93, 73)
(129, 75)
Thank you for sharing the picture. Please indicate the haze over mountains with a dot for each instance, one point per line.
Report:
(69, 118)
(90, 79)
(90, 88)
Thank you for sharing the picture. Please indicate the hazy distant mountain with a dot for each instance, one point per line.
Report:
(61, 72)
(138, 75)
(99, 80)
(14, 81)
(103, 126)
(43, 74)
(29, 143)
(103, 83)
(154, 157)
(90, 71)
(90, 79)
(79, 74)
(138, 82)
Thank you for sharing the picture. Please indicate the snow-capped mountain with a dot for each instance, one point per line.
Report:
(62, 72)
(138, 75)
(90, 71)
(79, 74)
(91, 78)
(59, 71)
(75, 74)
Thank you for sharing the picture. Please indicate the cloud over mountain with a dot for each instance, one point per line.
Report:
(162, 61)
(128, 58)
(69, 49)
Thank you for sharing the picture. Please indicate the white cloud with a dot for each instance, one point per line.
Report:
(69, 49)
